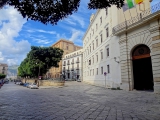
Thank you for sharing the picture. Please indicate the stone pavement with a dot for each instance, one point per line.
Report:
(77, 101)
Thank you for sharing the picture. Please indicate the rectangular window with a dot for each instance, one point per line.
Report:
(67, 47)
(107, 32)
(101, 55)
(97, 58)
(93, 71)
(106, 11)
(90, 48)
(97, 71)
(89, 62)
(101, 70)
(96, 26)
(107, 52)
(108, 69)
(97, 43)
(93, 46)
(93, 31)
(101, 38)
(93, 59)
(90, 35)
(101, 20)
(90, 72)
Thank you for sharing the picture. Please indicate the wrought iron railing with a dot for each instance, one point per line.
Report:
(137, 18)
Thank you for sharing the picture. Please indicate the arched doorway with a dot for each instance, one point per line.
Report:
(142, 68)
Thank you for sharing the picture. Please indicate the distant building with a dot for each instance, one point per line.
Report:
(3, 68)
(72, 68)
(68, 47)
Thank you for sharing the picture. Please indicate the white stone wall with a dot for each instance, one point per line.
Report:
(75, 65)
(113, 79)
(146, 32)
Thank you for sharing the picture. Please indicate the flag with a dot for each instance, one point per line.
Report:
(138, 1)
(130, 3)
(125, 7)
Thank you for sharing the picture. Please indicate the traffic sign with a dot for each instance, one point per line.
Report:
(105, 73)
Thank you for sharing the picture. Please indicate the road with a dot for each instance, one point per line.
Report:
(77, 101)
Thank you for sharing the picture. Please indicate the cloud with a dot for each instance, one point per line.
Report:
(12, 51)
(31, 30)
(76, 34)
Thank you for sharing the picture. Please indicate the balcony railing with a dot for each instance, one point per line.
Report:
(77, 68)
(72, 69)
(134, 20)
(68, 63)
(77, 61)
(72, 62)
(64, 64)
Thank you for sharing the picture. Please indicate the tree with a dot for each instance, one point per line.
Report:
(51, 11)
(2, 76)
(39, 60)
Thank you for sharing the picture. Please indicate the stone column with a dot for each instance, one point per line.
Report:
(155, 53)
(125, 64)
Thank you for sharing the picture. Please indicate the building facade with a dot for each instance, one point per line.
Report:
(3, 68)
(68, 47)
(102, 48)
(73, 65)
(140, 50)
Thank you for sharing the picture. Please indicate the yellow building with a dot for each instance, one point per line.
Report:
(68, 47)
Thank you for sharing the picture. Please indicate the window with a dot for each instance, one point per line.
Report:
(67, 47)
(101, 38)
(97, 71)
(93, 46)
(90, 35)
(108, 69)
(107, 32)
(89, 62)
(90, 72)
(97, 43)
(97, 57)
(96, 26)
(101, 70)
(90, 48)
(107, 52)
(93, 59)
(101, 55)
(101, 20)
(93, 31)
(93, 71)
(75, 48)
(106, 11)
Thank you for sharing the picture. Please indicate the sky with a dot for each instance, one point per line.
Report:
(17, 34)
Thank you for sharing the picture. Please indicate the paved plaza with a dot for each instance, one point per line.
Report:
(77, 101)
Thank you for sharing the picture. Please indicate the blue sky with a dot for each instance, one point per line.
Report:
(18, 34)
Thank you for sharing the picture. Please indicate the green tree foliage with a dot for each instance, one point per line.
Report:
(2, 76)
(39, 60)
(51, 11)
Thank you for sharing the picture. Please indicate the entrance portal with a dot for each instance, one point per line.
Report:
(142, 68)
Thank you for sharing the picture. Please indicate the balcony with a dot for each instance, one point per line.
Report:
(72, 62)
(141, 18)
(64, 64)
(77, 61)
(68, 63)
(72, 69)
(77, 68)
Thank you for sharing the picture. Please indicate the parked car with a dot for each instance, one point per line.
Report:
(25, 84)
(33, 86)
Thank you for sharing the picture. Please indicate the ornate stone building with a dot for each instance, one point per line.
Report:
(3, 68)
(68, 47)
(72, 68)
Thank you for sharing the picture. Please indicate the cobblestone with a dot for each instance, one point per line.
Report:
(77, 101)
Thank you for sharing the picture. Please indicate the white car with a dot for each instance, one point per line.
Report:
(33, 86)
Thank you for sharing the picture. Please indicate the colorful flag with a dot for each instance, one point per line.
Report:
(130, 3)
(138, 1)
(125, 7)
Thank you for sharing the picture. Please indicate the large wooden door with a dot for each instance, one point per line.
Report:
(142, 68)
